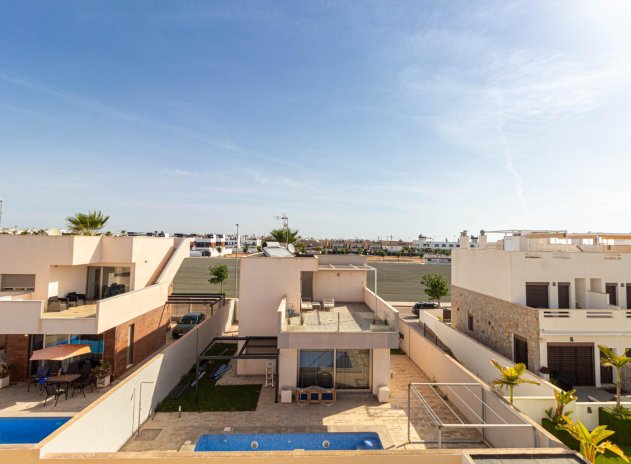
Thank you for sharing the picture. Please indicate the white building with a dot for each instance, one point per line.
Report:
(424, 242)
(547, 298)
(331, 330)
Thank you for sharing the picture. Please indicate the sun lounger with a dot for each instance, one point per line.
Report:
(221, 370)
(328, 304)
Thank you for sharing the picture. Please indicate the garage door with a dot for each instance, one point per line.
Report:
(575, 363)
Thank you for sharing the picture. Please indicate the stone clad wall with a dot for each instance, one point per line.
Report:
(495, 321)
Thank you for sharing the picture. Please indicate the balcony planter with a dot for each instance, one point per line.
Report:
(103, 374)
(5, 374)
(562, 434)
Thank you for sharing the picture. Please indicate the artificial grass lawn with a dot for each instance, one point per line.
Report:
(214, 397)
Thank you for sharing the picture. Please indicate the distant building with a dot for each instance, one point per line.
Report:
(424, 243)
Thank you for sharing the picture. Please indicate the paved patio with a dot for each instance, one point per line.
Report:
(16, 401)
(352, 413)
(344, 317)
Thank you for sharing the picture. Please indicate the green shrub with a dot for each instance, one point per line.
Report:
(562, 434)
(622, 427)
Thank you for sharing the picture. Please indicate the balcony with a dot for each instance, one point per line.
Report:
(343, 317)
(372, 323)
(584, 321)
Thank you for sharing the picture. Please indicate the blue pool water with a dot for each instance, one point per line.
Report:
(28, 429)
(289, 441)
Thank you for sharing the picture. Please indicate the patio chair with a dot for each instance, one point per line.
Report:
(82, 383)
(42, 373)
(75, 299)
(328, 304)
(306, 304)
(53, 390)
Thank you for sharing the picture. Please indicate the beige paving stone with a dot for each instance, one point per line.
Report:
(352, 412)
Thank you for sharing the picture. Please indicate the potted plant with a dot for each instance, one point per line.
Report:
(5, 373)
(103, 374)
(545, 373)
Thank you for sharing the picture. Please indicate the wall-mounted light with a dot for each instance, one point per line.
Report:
(621, 284)
(571, 339)
(554, 284)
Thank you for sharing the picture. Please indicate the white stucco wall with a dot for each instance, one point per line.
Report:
(347, 286)
(380, 369)
(503, 274)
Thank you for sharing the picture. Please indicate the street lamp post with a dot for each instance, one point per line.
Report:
(236, 268)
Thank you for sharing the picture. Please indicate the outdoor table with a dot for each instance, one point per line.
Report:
(316, 305)
(65, 380)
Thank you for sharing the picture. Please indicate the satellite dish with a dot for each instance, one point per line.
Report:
(291, 248)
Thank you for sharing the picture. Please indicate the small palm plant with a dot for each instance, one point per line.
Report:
(87, 224)
(563, 398)
(592, 443)
(611, 359)
(511, 377)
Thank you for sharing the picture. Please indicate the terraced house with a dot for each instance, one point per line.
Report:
(105, 292)
(548, 299)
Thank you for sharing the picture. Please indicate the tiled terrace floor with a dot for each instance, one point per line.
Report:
(83, 311)
(16, 401)
(344, 317)
(352, 412)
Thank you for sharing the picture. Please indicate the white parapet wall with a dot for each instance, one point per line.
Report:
(440, 367)
(107, 424)
(477, 358)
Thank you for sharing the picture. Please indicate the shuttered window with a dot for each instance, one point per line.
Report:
(537, 294)
(574, 363)
(520, 349)
(17, 282)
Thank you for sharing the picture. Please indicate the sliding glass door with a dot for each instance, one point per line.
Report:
(342, 369)
(104, 282)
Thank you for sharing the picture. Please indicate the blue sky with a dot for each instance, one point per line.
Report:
(356, 119)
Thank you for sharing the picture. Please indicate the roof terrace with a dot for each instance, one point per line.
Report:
(343, 317)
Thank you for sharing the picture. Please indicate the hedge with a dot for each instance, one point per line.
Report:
(622, 427)
(561, 434)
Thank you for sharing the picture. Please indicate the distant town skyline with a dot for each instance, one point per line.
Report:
(364, 119)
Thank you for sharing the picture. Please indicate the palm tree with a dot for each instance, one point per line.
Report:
(510, 377)
(592, 443)
(87, 224)
(285, 235)
(612, 359)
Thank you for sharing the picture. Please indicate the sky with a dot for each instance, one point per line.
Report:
(355, 119)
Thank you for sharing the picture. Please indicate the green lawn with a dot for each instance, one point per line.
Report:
(214, 397)
(401, 281)
(192, 277)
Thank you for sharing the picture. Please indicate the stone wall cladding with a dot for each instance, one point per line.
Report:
(495, 321)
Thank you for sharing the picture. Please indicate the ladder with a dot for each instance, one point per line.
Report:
(269, 373)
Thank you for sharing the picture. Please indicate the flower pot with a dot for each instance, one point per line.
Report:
(4, 381)
(104, 382)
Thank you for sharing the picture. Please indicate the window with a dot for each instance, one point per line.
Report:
(470, 322)
(342, 369)
(537, 294)
(520, 350)
(611, 290)
(564, 295)
(130, 345)
(17, 282)
(105, 282)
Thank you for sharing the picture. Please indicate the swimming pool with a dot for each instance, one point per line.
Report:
(14, 430)
(290, 441)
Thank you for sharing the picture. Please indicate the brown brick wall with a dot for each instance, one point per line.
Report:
(150, 332)
(17, 354)
(495, 322)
